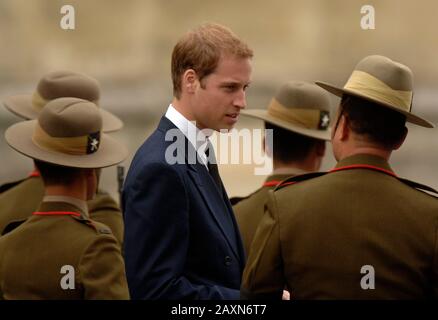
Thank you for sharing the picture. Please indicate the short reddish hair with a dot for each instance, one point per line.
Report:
(201, 48)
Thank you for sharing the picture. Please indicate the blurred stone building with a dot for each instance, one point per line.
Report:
(127, 45)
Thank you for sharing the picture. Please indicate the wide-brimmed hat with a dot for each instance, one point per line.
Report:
(300, 107)
(61, 84)
(380, 80)
(68, 132)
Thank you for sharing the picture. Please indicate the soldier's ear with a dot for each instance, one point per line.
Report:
(98, 173)
(267, 148)
(402, 139)
(92, 180)
(344, 128)
(320, 148)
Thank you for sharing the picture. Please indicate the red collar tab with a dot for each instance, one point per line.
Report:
(365, 166)
(57, 213)
(274, 183)
(287, 183)
(34, 174)
(271, 183)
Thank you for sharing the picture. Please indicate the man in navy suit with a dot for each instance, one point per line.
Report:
(181, 238)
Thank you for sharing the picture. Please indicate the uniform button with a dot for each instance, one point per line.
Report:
(104, 231)
(227, 261)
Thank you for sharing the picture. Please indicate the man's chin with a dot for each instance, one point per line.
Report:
(225, 129)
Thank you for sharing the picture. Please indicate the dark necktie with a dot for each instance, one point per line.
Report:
(214, 172)
(212, 166)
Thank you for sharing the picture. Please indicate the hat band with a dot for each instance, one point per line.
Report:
(307, 118)
(38, 102)
(81, 145)
(365, 84)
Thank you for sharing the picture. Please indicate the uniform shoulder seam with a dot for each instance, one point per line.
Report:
(236, 200)
(420, 187)
(299, 178)
(8, 185)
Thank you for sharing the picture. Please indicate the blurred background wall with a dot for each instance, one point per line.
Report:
(127, 45)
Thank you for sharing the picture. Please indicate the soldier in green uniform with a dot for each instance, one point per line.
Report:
(358, 231)
(54, 85)
(60, 252)
(298, 117)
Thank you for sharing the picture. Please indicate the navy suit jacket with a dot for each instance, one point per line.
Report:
(181, 238)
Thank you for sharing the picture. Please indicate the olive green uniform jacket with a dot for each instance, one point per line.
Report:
(249, 210)
(20, 199)
(61, 256)
(320, 237)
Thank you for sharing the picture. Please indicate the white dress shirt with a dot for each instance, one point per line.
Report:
(198, 138)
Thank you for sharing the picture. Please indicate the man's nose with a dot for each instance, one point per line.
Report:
(240, 100)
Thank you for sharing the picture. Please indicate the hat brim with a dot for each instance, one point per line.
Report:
(21, 105)
(410, 117)
(19, 137)
(265, 116)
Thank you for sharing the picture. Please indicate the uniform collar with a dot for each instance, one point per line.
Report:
(281, 174)
(34, 174)
(364, 159)
(288, 171)
(64, 203)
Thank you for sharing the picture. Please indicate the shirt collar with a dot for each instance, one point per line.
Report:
(198, 138)
(80, 204)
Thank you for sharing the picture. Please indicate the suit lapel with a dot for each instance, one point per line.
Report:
(216, 200)
(238, 239)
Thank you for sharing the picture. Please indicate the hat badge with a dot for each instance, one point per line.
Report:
(93, 142)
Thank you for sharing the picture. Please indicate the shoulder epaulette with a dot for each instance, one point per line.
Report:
(419, 186)
(236, 200)
(307, 176)
(9, 185)
(12, 226)
(299, 178)
(100, 228)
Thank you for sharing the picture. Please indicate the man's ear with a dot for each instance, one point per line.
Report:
(92, 181)
(344, 128)
(189, 81)
(98, 173)
(402, 139)
(266, 149)
(89, 173)
(320, 148)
